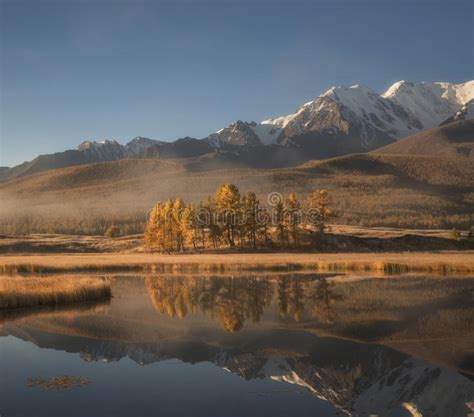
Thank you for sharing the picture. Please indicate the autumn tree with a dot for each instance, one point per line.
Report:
(209, 218)
(227, 200)
(178, 224)
(191, 228)
(263, 222)
(153, 238)
(279, 220)
(250, 207)
(170, 226)
(202, 222)
(167, 230)
(320, 212)
(293, 216)
(174, 225)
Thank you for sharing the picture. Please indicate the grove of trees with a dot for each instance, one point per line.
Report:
(230, 219)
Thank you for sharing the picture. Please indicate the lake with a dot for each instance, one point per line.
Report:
(246, 345)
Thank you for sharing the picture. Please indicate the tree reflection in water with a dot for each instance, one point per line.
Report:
(233, 300)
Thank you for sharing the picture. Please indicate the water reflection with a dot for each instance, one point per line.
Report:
(230, 300)
(313, 295)
(302, 332)
(73, 310)
(233, 300)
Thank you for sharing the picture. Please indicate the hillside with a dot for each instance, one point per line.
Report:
(367, 189)
(454, 140)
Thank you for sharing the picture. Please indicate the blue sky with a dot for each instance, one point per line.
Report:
(109, 69)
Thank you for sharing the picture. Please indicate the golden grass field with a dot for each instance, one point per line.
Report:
(441, 262)
(19, 292)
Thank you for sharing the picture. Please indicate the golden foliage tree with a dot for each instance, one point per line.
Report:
(320, 211)
(174, 225)
(227, 201)
(250, 207)
(293, 216)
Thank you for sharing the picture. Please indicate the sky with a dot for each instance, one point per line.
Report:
(73, 70)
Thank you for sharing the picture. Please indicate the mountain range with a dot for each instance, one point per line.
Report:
(341, 121)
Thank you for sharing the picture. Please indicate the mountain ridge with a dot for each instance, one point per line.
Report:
(342, 120)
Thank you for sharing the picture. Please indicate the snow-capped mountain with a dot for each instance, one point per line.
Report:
(245, 133)
(340, 121)
(110, 150)
(360, 115)
(107, 150)
(141, 144)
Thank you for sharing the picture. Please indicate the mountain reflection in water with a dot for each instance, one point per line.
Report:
(385, 346)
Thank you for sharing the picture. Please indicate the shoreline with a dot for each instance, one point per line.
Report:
(387, 262)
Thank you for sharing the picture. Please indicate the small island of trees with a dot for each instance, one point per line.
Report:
(229, 219)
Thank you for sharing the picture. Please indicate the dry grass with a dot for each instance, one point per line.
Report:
(18, 292)
(440, 262)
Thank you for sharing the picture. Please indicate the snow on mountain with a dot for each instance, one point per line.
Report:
(237, 133)
(340, 121)
(403, 109)
(106, 150)
(140, 144)
(267, 133)
(430, 103)
(282, 121)
(110, 150)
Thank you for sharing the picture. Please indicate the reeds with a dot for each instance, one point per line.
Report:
(386, 263)
(19, 292)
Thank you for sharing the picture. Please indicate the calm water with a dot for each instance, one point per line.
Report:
(262, 345)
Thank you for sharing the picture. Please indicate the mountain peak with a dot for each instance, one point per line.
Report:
(92, 144)
(397, 87)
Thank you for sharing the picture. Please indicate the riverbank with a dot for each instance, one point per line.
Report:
(440, 262)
